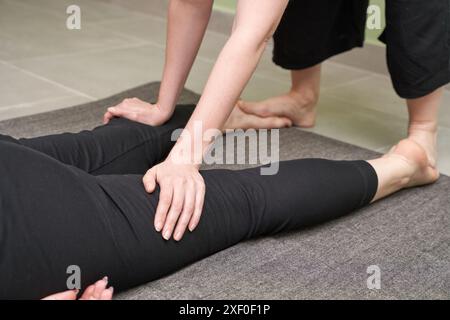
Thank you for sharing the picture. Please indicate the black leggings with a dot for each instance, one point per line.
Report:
(78, 199)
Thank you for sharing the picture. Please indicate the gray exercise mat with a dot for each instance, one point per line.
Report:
(407, 235)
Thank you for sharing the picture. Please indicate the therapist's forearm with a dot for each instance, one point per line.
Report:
(232, 71)
(187, 22)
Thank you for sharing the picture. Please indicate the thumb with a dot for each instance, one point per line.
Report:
(66, 295)
(126, 113)
(116, 111)
(150, 180)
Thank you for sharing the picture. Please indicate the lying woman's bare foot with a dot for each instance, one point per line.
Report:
(405, 166)
(300, 108)
(97, 291)
(242, 120)
(415, 160)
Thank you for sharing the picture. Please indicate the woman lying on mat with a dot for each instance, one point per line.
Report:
(78, 199)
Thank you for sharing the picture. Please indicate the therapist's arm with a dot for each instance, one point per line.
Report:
(186, 26)
(182, 187)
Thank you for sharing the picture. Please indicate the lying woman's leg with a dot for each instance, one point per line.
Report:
(121, 147)
(53, 216)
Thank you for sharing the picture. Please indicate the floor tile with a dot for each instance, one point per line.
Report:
(333, 74)
(153, 29)
(349, 122)
(91, 11)
(18, 87)
(27, 32)
(444, 150)
(26, 109)
(101, 74)
(377, 93)
(258, 87)
(149, 28)
(154, 7)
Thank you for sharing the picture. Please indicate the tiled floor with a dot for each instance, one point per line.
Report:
(44, 66)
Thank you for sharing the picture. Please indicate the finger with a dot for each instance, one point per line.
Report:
(150, 180)
(165, 199)
(175, 210)
(100, 286)
(188, 211)
(66, 295)
(107, 294)
(122, 112)
(199, 201)
(107, 117)
(87, 294)
(117, 111)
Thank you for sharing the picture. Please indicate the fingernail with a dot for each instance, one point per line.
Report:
(166, 235)
(177, 236)
(76, 291)
(105, 279)
(111, 289)
(158, 226)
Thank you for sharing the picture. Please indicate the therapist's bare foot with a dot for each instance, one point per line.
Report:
(413, 163)
(300, 108)
(239, 119)
(425, 134)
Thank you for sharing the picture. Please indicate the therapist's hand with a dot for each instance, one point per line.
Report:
(137, 110)
(182, 193)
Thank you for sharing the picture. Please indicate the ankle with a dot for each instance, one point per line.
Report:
(430, 127)
(305, 97)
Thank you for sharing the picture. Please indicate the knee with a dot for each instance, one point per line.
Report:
(4, 138)
(11, 156)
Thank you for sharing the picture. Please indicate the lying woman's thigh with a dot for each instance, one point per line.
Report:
(53, 216)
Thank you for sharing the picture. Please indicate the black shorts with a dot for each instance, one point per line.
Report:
(312, 31)
(417, 37)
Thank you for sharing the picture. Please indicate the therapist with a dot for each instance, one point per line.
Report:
(417, 38)
(182, 189)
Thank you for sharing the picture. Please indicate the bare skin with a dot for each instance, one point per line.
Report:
(239, 119)
(406, 165)
(423, 122)
(299, 104)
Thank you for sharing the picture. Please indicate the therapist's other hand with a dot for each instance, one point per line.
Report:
(135, 109)
(182, 193)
